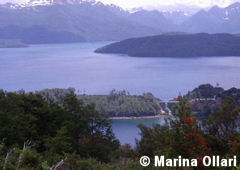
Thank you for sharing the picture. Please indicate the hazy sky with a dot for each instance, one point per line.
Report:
(156, 3)
(200, 3)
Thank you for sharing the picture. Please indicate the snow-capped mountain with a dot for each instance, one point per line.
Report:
(225, 14)
(32, 3)
(37, 2)
(232, 11)
(177, 17)
(52, 21)
(62, 2)
(215, 20)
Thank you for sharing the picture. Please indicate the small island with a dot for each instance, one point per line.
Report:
(177, 45)
(12, 43)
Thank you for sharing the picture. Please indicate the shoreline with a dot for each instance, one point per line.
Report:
(133, 118)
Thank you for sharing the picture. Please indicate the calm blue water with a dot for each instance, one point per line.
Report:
(75, 65)
(127, 131)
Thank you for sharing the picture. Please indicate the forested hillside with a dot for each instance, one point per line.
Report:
(116, 104)
(206, 99)
(177, 45)
(122, 104)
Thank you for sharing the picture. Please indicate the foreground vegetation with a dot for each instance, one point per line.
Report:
(184, 135)
(36, 133)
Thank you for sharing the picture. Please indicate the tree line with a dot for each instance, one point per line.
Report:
(115, 104)
(42, 134)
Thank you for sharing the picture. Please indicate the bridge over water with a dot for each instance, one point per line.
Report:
(169, 102)
(167, 109)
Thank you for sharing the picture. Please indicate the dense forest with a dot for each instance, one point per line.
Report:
(122, 104)
(41, 134)
(8, 43)
(115, 104)
(177, 45)
(206, 98)
(36, 134)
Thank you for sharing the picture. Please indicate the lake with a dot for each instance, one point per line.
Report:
(127, 131)
(75, 65)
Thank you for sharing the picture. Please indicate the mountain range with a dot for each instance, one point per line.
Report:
(215, 20)
(60, 21)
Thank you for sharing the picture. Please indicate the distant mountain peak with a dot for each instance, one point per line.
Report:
(215, 9)
(32, 3)
(234, 7)
(39, 2)
(236, 4)
(62, 2)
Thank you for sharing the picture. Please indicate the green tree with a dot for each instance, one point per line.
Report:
(92, 133)
(180, 135)
(222, 128)
(54, 130)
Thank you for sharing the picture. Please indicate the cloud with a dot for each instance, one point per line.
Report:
(144, 3)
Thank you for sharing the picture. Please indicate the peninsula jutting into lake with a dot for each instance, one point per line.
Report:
(177, 45)
(11, 43)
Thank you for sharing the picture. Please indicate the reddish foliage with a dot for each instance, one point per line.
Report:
(195, 144)
(190, 120)
(92, 139)
(233, 145)
(87, 140)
